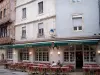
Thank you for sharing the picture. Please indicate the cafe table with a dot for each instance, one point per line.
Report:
(55, 70)
(65, 70)
(90, 68)
(34, 69)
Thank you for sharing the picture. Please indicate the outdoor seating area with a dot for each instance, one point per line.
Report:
(91, 69)
(40, 68)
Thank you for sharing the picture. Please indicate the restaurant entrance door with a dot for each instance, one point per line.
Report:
(79, 59)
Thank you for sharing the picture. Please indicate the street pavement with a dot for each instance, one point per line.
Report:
(9, 72)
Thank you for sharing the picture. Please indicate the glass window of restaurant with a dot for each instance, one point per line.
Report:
(9, 53)
(42, 54)
(69, 54)
(89, 53)
(24, 54)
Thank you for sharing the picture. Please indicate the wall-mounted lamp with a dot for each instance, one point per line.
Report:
(51, 53)
(58, 52)
(98, 51)
(30, 53)
(14, 53)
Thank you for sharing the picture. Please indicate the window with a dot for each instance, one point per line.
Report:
(77, 23)
(24, 32)
(40, 7)
(69, 54)
(4, 14)
(76, 1)
(23, 13)
(89, 54)
(42, 54)
(3, 31)
(40, 30)
(0, 14)
(9, 54)
(24, 54)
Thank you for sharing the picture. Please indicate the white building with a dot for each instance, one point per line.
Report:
(34, 20)
(52, 30)
(77, 23)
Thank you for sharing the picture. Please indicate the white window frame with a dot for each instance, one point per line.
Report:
(69, 56)
(89, 56)
(40, 9)
(23, 13)
(40, 30)
(25, 54)
(23, 32)
(9, 54)
(77, 27)
(42, 51)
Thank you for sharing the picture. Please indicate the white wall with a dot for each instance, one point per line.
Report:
(90, 13)
(20, 2)
(33, 18)
(15, 55)
(55, 56)
(32, 10)
(32, 30)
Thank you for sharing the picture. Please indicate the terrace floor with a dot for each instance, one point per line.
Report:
(10, 72)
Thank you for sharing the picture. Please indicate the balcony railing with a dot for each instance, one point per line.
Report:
(5, 40)
(5, 19)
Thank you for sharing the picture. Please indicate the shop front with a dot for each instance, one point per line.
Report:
(78, 55)
(75, 52)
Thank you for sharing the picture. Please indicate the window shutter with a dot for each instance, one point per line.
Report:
(77, 21)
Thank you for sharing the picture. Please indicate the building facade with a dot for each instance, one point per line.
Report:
(80, 22)
(53, 30)
(34, 20)
(7, 18)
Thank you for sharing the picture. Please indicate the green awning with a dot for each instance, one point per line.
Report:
(32, 45)
(56, 43)
(74, 42)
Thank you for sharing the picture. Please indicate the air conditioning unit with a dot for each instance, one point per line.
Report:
(52, 33)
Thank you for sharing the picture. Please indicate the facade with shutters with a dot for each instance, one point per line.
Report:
(53, 30)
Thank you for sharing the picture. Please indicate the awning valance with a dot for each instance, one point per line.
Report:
(70, 42)
(50, 43)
